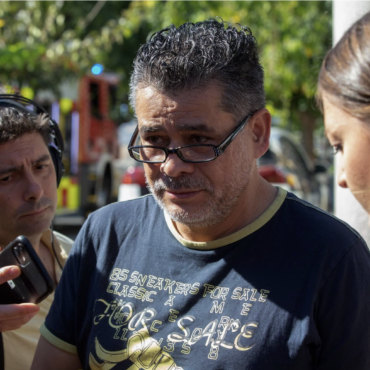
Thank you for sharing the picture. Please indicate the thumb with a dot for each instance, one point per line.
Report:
(8, 273)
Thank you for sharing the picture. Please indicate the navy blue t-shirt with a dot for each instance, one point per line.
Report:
(288, 291)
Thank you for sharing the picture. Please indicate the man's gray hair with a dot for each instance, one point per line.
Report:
(195, 55)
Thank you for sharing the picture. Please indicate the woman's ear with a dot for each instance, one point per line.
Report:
(260, 126)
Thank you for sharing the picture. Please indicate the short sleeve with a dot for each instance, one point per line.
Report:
(60, 325)
(343, 313)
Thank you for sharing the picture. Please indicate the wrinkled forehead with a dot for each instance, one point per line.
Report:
(150, 95)
(187, 109)
(29, 146)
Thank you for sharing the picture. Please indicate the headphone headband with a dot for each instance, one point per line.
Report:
(14, 100)
(22, 99)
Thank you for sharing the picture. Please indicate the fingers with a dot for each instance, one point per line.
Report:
(13, 316)
(9, 273)
(15, 324)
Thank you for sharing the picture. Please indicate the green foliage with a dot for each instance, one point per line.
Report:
(293, 37)
(42, 43)
(45, 42)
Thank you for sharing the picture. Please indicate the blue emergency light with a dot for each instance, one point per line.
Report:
(97, 69)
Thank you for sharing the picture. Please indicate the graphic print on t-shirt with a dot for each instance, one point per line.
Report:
(143, 305)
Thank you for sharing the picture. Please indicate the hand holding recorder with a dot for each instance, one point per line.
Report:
(13, 316)
(24, 282)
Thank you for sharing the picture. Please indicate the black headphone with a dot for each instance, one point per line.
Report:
(56, 144)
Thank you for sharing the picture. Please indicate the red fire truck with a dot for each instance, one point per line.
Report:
(91, 148)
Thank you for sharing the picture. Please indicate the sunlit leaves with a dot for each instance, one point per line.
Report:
(293, 37)
(44, 42)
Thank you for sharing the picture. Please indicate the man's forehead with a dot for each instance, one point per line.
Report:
(29, 145)
(193, 110)
(11, 164)
(166, 101)
(179, 126)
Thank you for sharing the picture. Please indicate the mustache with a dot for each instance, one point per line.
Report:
(181, 183)
(34, 207)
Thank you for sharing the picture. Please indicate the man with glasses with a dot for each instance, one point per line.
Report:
(217, 268)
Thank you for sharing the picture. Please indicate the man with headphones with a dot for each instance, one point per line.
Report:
(31, 148)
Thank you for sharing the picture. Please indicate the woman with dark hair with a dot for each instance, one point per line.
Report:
(344, 98)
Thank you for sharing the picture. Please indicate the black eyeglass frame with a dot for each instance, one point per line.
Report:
(218, 149)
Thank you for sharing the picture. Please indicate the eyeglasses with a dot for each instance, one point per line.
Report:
(195, 153)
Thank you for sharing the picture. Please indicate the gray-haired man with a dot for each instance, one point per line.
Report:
(217, 269)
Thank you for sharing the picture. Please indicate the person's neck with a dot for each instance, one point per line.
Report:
(36, 243)
(47, 259)
(256, 200)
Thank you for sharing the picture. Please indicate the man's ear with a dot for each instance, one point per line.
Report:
(260, 126)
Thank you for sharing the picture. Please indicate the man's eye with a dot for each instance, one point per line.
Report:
(5, 179)
(198, 139)
(337, 148)
(41, 166)
(152, 140)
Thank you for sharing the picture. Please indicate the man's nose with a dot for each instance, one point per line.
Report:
(175, 166)
(33, 189)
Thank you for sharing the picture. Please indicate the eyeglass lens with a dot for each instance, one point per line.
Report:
(192, 153)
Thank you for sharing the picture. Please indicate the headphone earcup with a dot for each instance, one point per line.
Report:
(58, 164)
